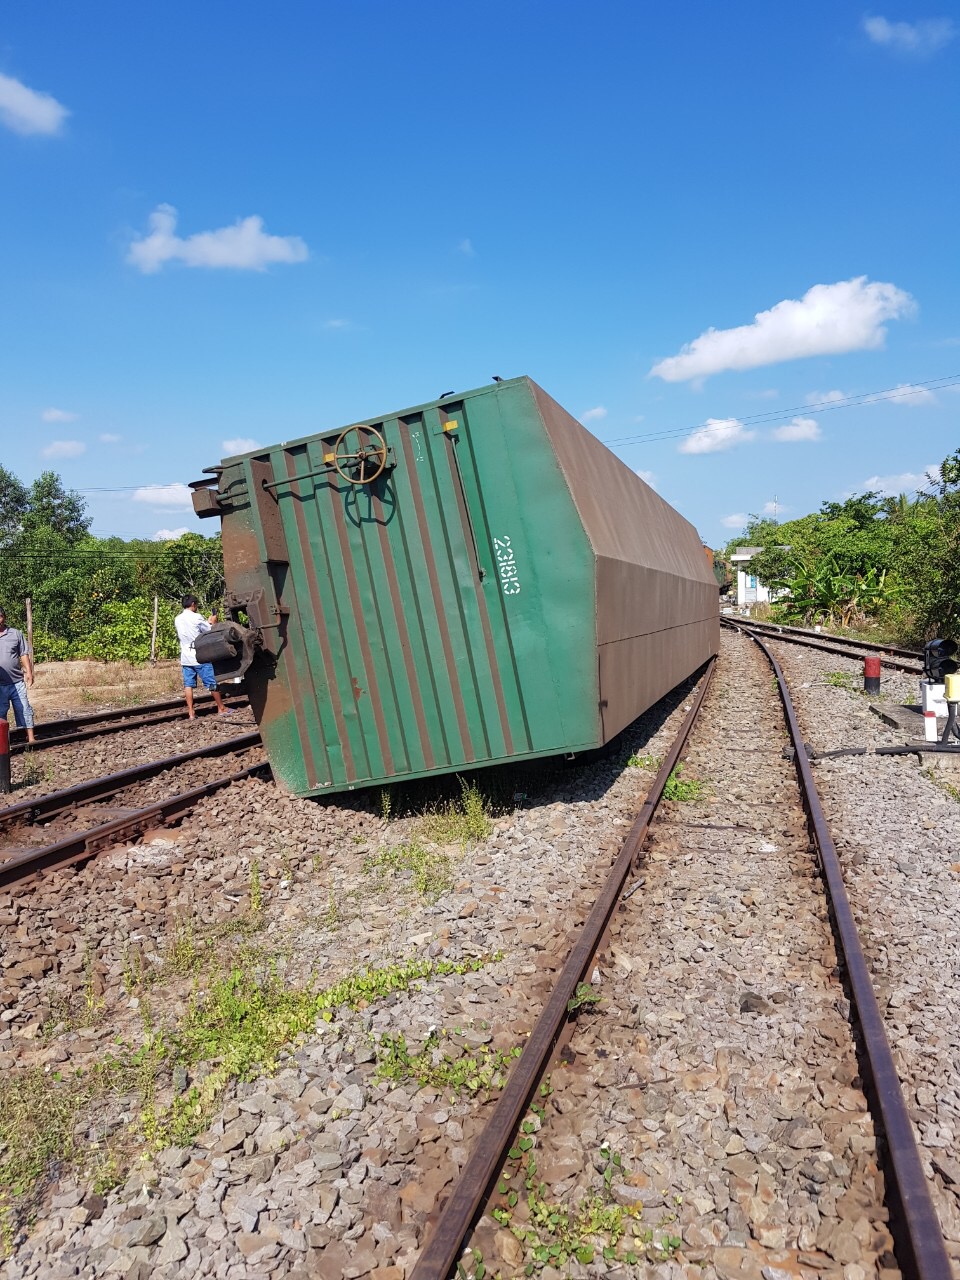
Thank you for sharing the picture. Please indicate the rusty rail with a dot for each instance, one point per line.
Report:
(84, 844)
(442, 1249)
(795, 635)
(917, 1232)
(918, 1236)
(57, 733)
(36, 807)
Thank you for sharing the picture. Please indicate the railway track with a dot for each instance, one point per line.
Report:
(773, 1121)
(891, 656)
(661, 1066)
(89, 823)
(96, 724)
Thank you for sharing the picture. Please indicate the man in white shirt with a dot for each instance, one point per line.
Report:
(189, 625)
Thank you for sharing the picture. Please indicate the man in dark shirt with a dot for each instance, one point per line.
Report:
(16, 674)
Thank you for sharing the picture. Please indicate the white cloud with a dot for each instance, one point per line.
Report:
(907, 394)
(58, 415)
(736, 521)
(829, 319)
(169, 535)
(594, 415)
(177, 496)
(338, 324)
(923, 37)
(242, 444)
(907, 482)
(716, 434)
(26, 111)
(107, 437)
(798, 429)
(825, 397)
(466, 248)
(648, 477)
(773, 509)
(64, 449)
(244, 246)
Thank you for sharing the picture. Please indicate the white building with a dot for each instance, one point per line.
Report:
(749, 590)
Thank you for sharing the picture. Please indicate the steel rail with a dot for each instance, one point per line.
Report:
(85, 718)
(918, 1236)
(440, 1253)
(36, 807)
(775, 633)
(84, 844)
(110, 722)
(897, 651)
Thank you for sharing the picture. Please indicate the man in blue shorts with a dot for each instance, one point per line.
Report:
(16, 673)
(189, 625)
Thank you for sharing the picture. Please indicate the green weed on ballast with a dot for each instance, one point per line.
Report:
(583, 997)
(554, 1234)
(237, 1028)
(243, 1024)
(481, 1069)
(939, 781)
(644, 762)
(39, 1116)
(31, 770)
(332, 916)
(681, 789)
(427, 869)
(256, 889)
(840, 680)
(459, 821)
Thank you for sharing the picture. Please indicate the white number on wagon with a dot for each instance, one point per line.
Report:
(507, 566)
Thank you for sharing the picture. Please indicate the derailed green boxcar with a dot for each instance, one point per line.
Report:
(468, 582)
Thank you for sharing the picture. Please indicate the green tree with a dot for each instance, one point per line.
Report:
(50, 506)
(192, 564)
(835, 565)
(93, 597)
(13, 507)
(927, 558)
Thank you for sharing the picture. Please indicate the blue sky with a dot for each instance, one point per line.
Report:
(714, 233)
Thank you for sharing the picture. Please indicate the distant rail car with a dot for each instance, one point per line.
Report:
(468, 582)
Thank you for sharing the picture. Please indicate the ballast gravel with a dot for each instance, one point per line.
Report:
(320, 1169)
(323, 1170)
(37, 773)
(896, 824)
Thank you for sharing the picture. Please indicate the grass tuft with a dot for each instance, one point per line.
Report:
(459, 821)
(682, 789)
(424, 867)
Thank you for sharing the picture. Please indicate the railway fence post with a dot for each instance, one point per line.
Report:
(153, 635)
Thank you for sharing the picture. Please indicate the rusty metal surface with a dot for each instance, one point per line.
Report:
(99, 788)
(76, 848)
(440, 1253)
(917, 1232)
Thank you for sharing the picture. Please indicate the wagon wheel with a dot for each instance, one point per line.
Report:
(360, 454)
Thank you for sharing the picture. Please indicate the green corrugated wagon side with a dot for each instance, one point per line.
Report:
(463, 583)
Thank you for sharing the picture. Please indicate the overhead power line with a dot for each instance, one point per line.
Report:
(901, 391)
